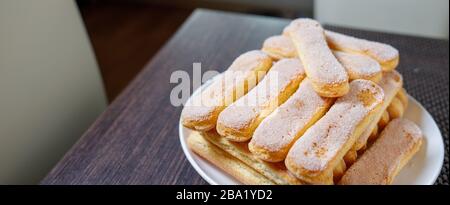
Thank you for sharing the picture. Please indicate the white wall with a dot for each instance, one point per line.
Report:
(427, 18)
(50, 87)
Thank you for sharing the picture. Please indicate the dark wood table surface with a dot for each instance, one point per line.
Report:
(136, 141)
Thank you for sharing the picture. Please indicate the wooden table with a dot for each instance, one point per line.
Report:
(135, 141)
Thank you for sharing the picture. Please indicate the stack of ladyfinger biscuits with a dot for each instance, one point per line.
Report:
(334, 116)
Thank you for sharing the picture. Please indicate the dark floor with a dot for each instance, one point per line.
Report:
(125, 37)
(126, 34)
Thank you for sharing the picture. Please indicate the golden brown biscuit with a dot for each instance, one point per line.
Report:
(277, 133)
(201, 112)
(339, 171)
(276, 172)
(238, 121)
(396, 145)
(385, 54)
(384, 120)
(350, 157)
(327, 75)
(279, 47)
(402, 95)
(391, 83)
(357, 66)
(373, 134)
(316, 154)
(396, 109)
(362, 150)
(224, 161)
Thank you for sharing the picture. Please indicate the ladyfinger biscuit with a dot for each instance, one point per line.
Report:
(224, 161)
(395, 146)
(384, 120)
(350, 157)
(396, 109)
(316, 154)
(339, 171)
(328, 77)
(357, 66)
(373, 134)
(391, 83)
(276, 172)
(201, 112)
(363, 149)
(279, 47)
(238, 121)
(402, 95)
(385, 54)
(278, 132)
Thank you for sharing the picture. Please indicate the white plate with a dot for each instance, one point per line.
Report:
(423, 169)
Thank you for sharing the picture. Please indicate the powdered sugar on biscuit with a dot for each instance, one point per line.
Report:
(280, 128)
(320, 64)
(244, 111)
(222, 91)
(399, 140)
(320, 143)
(379, 51)
(358, 66)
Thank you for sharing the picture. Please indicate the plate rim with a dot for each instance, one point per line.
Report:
(442, 146)
(188, 155)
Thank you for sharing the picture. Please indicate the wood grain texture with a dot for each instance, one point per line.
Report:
(135, 141)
